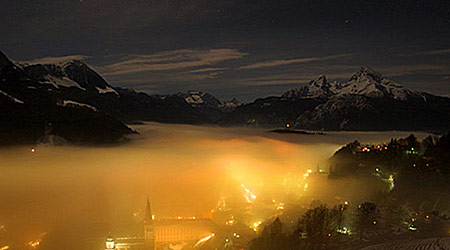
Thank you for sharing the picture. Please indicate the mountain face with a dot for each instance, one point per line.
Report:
(32, 111)
(367, 101)
(73, 103)
(77, 82)
(208, 105)
(69, 99)
(365, 82)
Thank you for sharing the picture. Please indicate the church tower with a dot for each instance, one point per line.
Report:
(149, 226)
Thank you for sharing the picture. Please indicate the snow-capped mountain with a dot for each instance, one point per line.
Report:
(83, 107)
(32, 111)
(318, 88)
(72, 74)
(208, 104)
(367, 101)
(74, 87)
(365, 82)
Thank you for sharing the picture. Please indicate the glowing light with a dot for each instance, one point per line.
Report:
(346, 202)
(309, 171)
(343, 230)
(248, 195)
(230, 222)
(412, 227)
(288, 125)
(305, 187)
(4, 248)
(280, 206)
(110, 243)
(374, 222)
(391, 182)
(33, 150)
(256, 225)
(329, 235)
(34, 243)
(204, 240)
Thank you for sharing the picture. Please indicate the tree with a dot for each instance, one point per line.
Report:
(272, 237)
(365, 218)
(318, 225)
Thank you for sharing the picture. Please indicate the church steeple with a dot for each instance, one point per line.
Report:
(148, 218)
(149, 226)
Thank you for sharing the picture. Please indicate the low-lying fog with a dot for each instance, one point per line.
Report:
(75, 194)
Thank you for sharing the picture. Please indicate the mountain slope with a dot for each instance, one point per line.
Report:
(32, 111)
(367, 101)
(208, 105)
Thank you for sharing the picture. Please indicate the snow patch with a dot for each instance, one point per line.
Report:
(106, 90)
(61, 82)
(11, 97)
(70, 103)
(194, 99)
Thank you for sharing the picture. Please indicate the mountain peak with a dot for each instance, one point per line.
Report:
(321, 81)
(367, 73)
(4, 60)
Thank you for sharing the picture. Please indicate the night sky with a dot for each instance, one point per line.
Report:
(235, 48)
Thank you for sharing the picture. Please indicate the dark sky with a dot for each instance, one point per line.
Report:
(235, 48)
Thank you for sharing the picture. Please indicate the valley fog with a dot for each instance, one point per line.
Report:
(75, 196)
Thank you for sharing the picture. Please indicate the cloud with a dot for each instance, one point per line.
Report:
(434, 52)
(282, 62)
(171, 60)
(207, 70)
(288, 79)
(402, 70)
(56, 60)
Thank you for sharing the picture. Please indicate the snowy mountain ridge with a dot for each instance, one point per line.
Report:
(197, 98)
(67, 74)
(366, 82)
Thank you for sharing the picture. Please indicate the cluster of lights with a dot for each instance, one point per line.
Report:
(378, 147)
(280, 206)
(230, 222)
(306, 175)
(34, 243)
(366, 149)
(344, 230)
